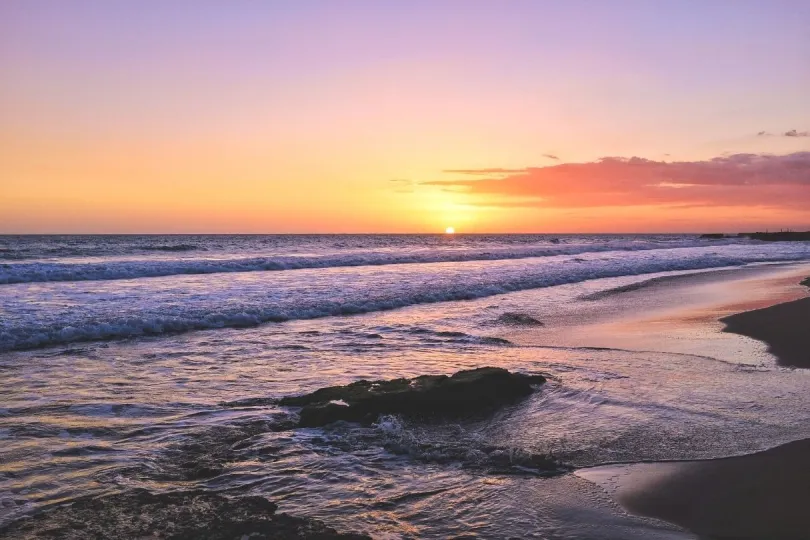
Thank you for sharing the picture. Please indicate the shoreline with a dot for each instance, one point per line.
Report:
(688, 278)
(759, 495)
(674, 314)
(783, 327)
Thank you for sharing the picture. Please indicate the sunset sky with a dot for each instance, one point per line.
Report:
(404, 116)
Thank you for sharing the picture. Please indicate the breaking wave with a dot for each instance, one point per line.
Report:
(47, 271)
(88, 313)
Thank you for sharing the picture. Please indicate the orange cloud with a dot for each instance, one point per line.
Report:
(738, 180)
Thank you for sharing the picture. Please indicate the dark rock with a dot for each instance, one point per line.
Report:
(250, 402)
(805, 282)
(452, 334)
(519, 319)
(496, 341)
(184, 515)
(713, 236)
(465, 393)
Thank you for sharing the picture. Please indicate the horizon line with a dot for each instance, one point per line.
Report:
(439, 233)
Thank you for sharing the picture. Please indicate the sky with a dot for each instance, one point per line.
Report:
(342, 116)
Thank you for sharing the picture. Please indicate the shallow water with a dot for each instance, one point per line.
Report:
(107, 415)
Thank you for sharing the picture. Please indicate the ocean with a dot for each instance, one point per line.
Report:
(126, 360)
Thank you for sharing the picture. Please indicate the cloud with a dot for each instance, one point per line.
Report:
(790, 133)
(551, 156)
(733, 180)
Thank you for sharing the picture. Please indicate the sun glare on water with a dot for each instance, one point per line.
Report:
(449, 230)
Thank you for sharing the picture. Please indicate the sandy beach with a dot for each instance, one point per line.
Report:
(762, 495)
(757, 496)
(784, 327)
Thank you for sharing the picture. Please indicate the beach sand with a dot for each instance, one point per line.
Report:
(681, 314)
(765, 495)
(784, 327)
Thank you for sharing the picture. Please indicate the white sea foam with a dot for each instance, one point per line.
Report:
(144, 267)
(36, 315)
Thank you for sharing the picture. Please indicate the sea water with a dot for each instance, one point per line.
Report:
(120, 353)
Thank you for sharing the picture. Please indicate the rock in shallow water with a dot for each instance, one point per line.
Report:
(519, 319)
(465, 393)
(184, 515)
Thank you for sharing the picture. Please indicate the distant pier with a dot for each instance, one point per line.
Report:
(780, 236)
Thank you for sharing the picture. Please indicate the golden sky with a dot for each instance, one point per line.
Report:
(402, 117)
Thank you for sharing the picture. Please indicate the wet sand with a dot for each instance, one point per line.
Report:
(784, 327)
(678, 314)
(765, 495)
(758, 496)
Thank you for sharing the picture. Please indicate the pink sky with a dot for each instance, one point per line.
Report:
(125, 116)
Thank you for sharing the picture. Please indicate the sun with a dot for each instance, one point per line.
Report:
(449, 230)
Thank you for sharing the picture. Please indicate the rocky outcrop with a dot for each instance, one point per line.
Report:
(465, 393)
(518, 319)
(183, 515)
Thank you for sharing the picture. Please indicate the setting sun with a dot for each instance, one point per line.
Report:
(449, 230)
